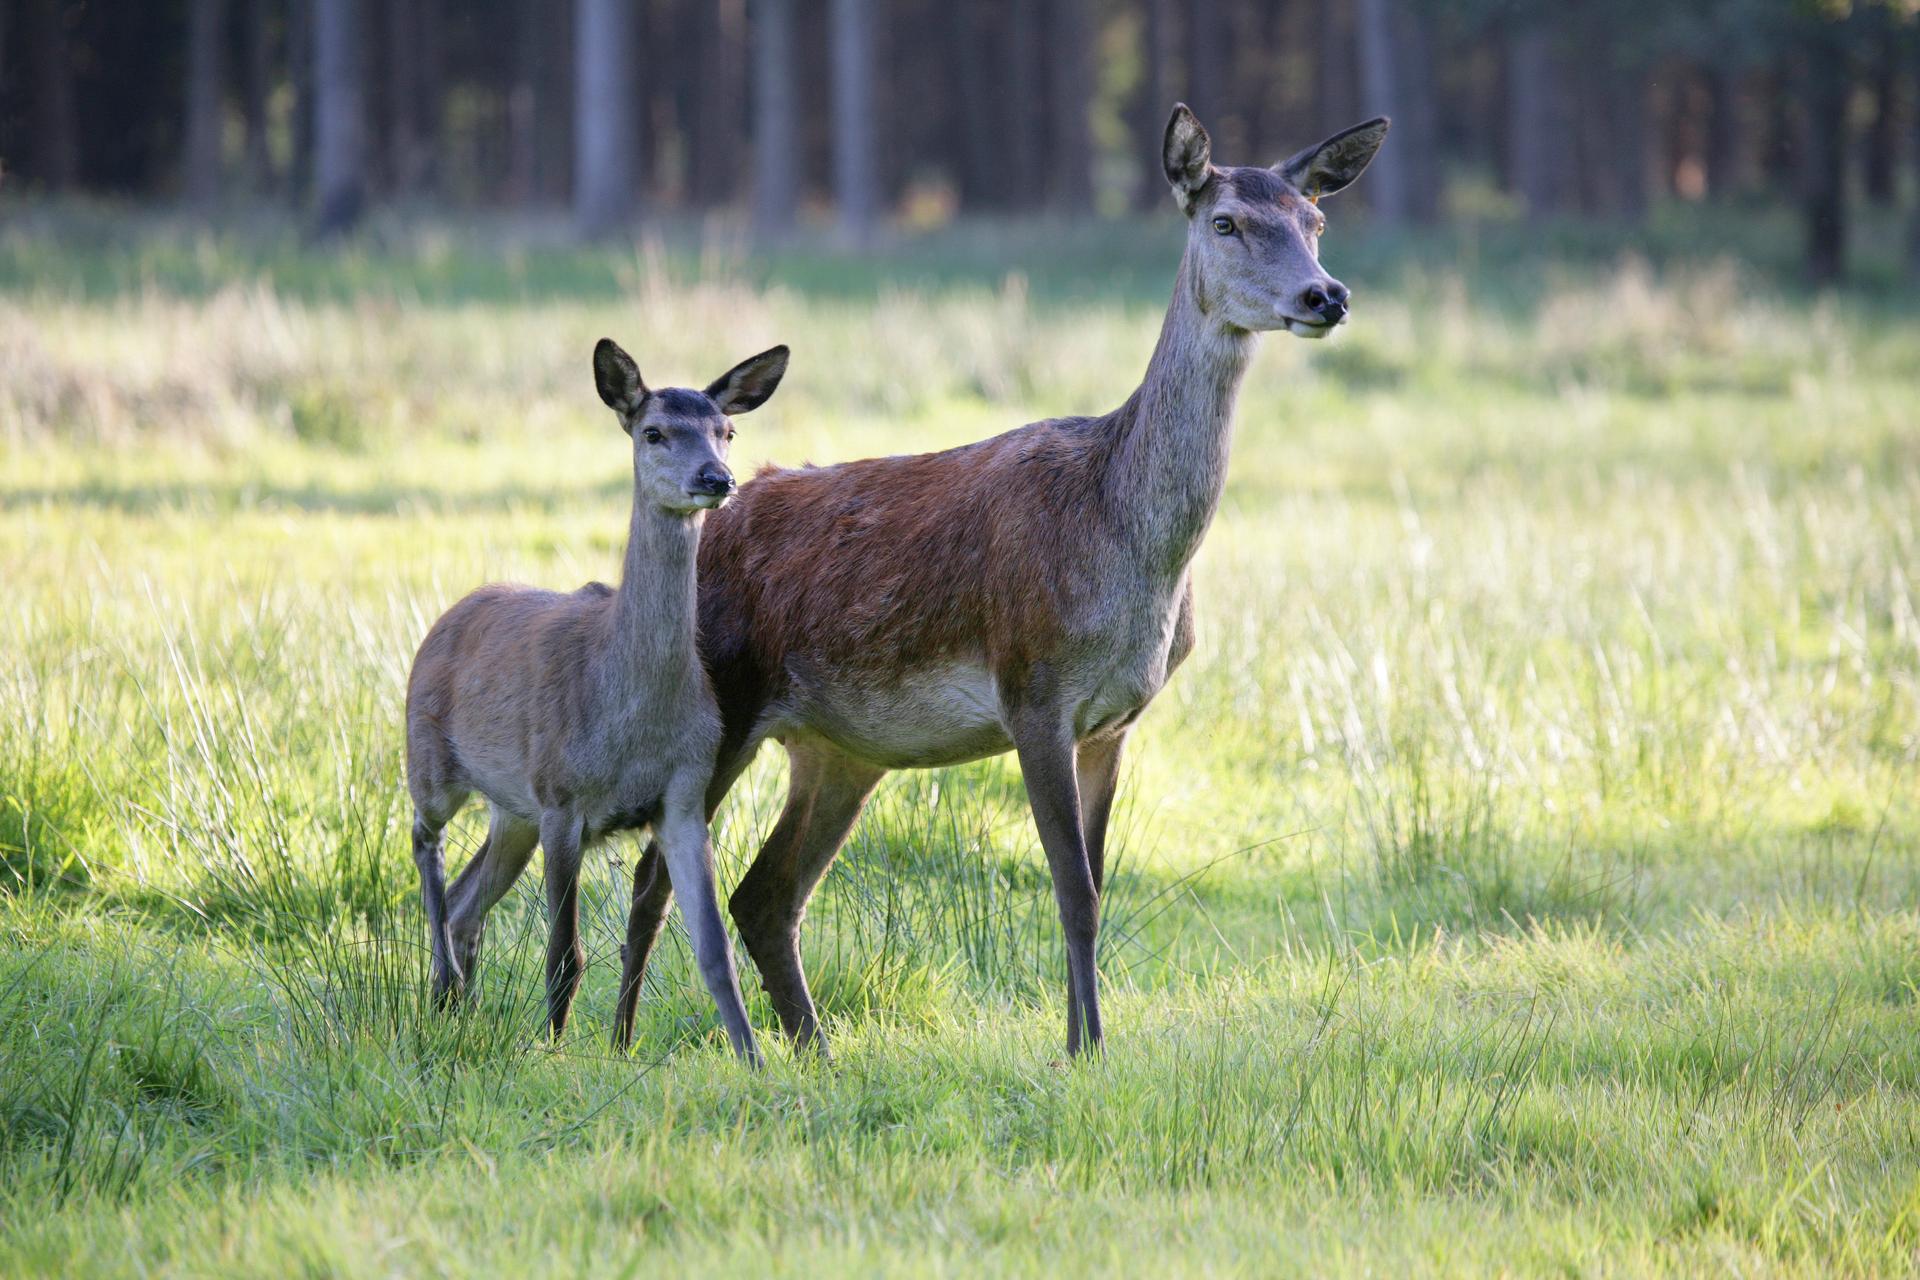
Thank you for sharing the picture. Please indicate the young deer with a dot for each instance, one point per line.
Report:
(580, 715)
(1030, 591)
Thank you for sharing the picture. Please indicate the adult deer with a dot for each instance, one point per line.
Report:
(1028, 592)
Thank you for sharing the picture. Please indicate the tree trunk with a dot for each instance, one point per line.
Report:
(54, 140)
(1417, 125)
(205, 79)
(714, 136)
(1206, 88)
(1827, 144)
(1396, 81)
(1251, 81)
(339, 144)
(854, 150)
(1722, 157)
(1540, 124)
(1071, 53)
(1781, 159)
(1913, 230)
(1157, 96)
(1275, 126)
(1630, 142)
(1612, 167)
(1023, 106)
(406, 150)
(979, 184)
(1883, 139)
(603, 130)
(300, 70)
(1389, 186)
(431, 80)
(1334, 69)
(776, 125)
(523, 101)
(553, 105)
(656, 99)
(256, 84)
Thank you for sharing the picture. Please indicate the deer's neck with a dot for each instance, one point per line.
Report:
(653, 616)
(1171, 439)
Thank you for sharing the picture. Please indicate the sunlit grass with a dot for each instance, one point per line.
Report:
(1518, 878)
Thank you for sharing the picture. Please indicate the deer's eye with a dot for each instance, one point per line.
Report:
(652, 435)
(729, 435)
(1224, 225)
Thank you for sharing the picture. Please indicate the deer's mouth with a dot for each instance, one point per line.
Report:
(1308, 328)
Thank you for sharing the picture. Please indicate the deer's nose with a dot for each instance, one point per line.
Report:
(712, 478)
(1327, 300)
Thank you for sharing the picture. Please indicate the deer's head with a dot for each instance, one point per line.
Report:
(1253, 233)
(681, 436)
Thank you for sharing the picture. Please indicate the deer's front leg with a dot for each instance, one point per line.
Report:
(1097, 768)
(653, 893)
(689, 857)
(1043, 739)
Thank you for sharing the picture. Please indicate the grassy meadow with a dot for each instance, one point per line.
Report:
(1520, 878)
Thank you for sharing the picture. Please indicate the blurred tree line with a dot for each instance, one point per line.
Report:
(860, 111)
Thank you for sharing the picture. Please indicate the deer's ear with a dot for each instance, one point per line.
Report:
(617, 377)
(1186, 155)
(747, 385)
(1326, 167)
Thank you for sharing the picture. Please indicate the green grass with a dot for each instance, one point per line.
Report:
(1519, 878)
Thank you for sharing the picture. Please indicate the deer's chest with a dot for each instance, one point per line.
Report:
(1122, 666)
(617, 777)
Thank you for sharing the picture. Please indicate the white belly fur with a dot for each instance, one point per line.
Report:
(950, 713)
(935, 716)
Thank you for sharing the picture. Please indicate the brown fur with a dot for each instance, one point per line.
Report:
(872, 566)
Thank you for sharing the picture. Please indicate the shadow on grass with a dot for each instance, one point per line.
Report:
(227, 498)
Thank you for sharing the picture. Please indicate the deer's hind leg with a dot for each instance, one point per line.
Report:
(430, 859)
(826, 789)
(482, 883)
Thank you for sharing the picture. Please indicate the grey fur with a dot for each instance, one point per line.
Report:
(583, 714)
(1332, 164)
